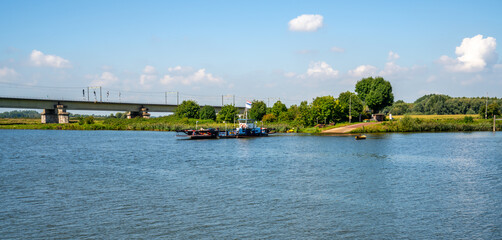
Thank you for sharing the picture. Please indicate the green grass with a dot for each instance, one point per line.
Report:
(412, 124)
(423, 123)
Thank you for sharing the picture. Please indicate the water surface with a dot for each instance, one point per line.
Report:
(127, 184)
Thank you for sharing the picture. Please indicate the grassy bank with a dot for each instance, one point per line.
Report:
(168, 123)
(445, 123)
(416, 123)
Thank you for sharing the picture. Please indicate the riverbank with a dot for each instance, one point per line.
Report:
(427, 124)
(420, 123)
(168, 123)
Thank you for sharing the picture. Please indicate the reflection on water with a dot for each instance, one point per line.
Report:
(113, 184)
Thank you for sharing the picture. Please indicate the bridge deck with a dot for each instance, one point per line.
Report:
(6, 102)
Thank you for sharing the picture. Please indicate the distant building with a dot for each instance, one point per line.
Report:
(378, 117)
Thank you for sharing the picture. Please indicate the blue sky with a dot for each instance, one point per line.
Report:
(292, 50)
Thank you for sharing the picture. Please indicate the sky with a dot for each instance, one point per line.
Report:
(209, 51)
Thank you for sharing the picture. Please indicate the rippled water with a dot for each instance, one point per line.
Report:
(125, 184)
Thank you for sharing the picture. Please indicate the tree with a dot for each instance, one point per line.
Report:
(400, 108)
(258, 110)
(376, 92)
(350, 100)
(278, 108)
(227, 113)
(292, 113)
(207, 112)
(188, 109)
(267, 118)
(493, 109)
(326, 109)
(305, 116)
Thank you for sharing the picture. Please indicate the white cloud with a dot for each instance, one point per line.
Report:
(337, 49)
(393, 56)
(6, 72)
(149, 76)
(391, 68)
(105, 80)
(149, 70)
(290, 74)
(187, 76)
(40, 59)
(306, 23)
(363, 71)
(321, 70)
(473, 55)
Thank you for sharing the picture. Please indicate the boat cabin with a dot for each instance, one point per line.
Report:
(247, 123)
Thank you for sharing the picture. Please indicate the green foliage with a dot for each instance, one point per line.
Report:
(305, 117)
(207, 112)
(290, 115)
(188, 109)
(350, 100)
(325, 109)
(228, 113)
(278, 108)
(86, 120)
(376, 92)
(400, 108)
(268, 118)
(468, 119)
(258, 110)
(444, 104)
(120, 115)
(364, 87)
(409, 124)
(493, 109)
(20, 114)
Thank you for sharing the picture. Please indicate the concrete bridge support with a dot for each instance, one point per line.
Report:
(56, 115)
(143, 113)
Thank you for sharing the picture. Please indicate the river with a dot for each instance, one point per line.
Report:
(141, 184)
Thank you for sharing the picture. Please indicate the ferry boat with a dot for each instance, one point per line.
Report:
(247, 128)
(198, 134)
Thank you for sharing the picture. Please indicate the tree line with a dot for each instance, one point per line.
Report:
(445, 105)
(372, 95)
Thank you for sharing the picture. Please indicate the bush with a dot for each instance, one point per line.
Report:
(468, 119)
(189, 109)
(87, 120)
(207, 112)
(268, 118)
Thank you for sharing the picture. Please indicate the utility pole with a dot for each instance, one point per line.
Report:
(234, 100)
(100, 95)
(222, 100)
(350, 108)
(493, 123)
(166, 98)
(486, 106)
(177, 98)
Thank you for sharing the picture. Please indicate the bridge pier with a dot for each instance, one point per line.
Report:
(56, 115)
(143, 113)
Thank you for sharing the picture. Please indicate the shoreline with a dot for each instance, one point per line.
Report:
(403, 124)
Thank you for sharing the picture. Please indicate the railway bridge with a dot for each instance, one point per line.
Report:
(54, 111)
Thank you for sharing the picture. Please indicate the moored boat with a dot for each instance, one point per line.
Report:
(360, 137)
(199, 134)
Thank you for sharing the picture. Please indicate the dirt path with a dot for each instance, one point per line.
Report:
(348, 128)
